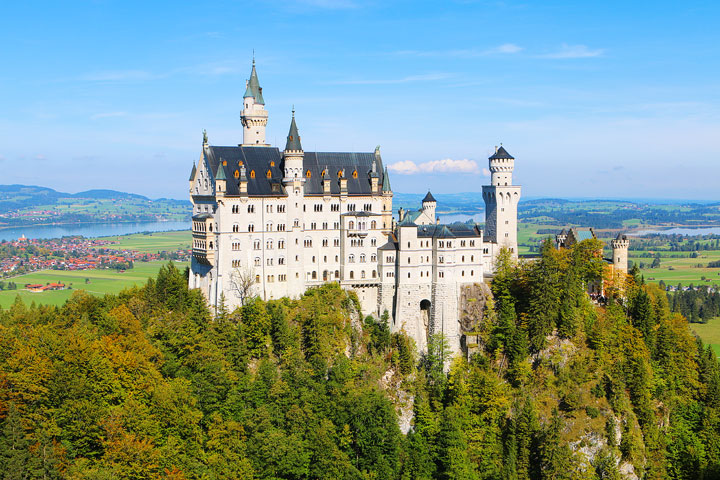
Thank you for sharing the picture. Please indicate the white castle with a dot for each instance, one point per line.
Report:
(274, 223)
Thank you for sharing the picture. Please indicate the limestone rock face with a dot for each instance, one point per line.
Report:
(473, 299)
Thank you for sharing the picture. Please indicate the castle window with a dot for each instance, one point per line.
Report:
(251, 228)
(236, 174)
(325, 242)
(351, 259)
(408, 274)
(257, 278)
(340, 173)
(252, 173)
(352, 275)
(471, 272)
(354, 174)
(308, 174)
(240, 163)
(251, 208)
(441, 274)
(336, 242)
(256, 244)
(373, 258)
(257, 261)
(337, 273)
(224, 163)
(362, 274)
(374, 274)
(268, 227)
(351, 225)
(235, 228)
(472, 258)
(373, 224)
(362, 258)
(281, 261)
(463, 258)
(462, 273)
(269, 174)
(272, 163)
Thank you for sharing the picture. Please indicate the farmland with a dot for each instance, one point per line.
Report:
(97, 282)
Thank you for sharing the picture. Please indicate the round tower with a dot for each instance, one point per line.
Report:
(501, 200)
(620, 248)
(428, 205)
(501, 165)
(254, 117)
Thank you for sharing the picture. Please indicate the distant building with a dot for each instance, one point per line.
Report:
(274, 223)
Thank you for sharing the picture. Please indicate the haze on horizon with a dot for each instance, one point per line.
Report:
(608, 100)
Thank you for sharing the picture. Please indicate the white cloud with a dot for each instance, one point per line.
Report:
(504, 49)
(408, 167)
(486, 172)
(431, 77)
(574, 51)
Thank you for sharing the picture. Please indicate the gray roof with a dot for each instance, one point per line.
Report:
(453, 230)
(221, 173)
(259, 160)
(501, 153)
(192, 172)
(429, 198)
(407, 222)
(293, 139)
(202, 216)
(253, 87)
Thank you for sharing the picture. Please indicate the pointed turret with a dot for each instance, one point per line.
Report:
(193, 172)
(386, 182)
(253, 88)
(254, 116)
(293, 155)
(293, 138)
(220, 180)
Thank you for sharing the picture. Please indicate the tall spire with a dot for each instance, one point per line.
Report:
(293, 139)
(253, 86)
(386, 181)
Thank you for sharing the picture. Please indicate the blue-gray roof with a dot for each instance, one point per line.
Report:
(293, 139)
(429, 198)
(262, 159)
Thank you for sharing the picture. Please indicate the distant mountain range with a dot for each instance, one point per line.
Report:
(16, 197)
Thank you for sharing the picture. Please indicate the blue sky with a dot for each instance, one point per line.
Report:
(594, 99)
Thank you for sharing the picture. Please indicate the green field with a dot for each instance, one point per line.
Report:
(152, 242)
(709, 333)
(684, 270)
(101, 282)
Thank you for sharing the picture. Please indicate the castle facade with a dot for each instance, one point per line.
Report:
(274, 223)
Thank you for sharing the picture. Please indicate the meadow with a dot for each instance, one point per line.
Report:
(709, 333)
(153, 242)
(97, 282)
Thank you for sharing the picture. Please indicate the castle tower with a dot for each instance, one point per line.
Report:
(293, 156)
(428, 205)
(501, 200)
(294, 181)
(254, 117)
(620, 248)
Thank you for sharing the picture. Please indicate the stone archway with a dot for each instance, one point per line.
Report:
(425, 306)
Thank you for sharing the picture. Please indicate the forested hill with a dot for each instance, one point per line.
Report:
(32, 205)
(149, 384)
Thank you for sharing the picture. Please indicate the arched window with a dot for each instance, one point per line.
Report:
(373, 224)
(352, 275)
(362, 274)
(269, 174)
(308, 174)
(374, 274)
(354, 174)
(314, 275)
(252, 173)
(236, 174)
(351, 225)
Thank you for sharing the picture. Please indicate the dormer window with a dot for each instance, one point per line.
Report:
(269, 174)
(308, 174)
(252, 173)
(272, 163)
(236, 174)
(354, 174)
(224, 163)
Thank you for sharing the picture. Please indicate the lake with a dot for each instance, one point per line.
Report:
(90, 229)
(691, 232)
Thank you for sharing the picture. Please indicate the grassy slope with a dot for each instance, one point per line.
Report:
(101, 282)
(709, 333)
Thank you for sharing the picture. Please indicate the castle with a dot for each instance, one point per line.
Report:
(274, 223)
